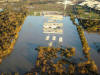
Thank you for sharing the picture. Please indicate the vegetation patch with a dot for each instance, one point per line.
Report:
(10, 25)
(58, 61)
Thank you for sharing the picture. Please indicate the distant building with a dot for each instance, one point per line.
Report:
(13, 0)
(91, 3)
(10, 0)
(3, 0)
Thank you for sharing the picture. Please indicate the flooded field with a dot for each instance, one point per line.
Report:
(42, 39)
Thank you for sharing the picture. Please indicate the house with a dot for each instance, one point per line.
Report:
(91, 3)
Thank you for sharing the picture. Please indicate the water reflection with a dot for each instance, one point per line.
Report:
(59, 61)
(53, 26)
(52, 34)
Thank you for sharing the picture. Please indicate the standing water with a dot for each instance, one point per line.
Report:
(45, 41)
